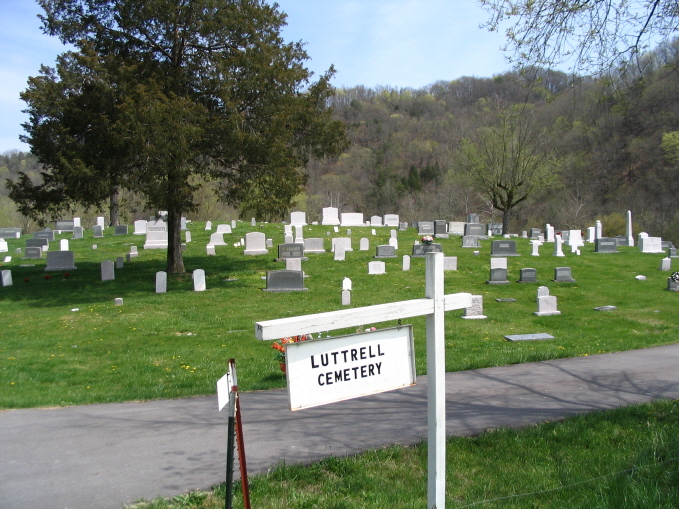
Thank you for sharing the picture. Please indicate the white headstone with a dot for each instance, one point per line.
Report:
(199, 280)
(293, 264)
(340, 251)
(591, 234)
(224, 228)
(352, 219)
(330, 216)
(298, 218)
(188, 236)
(210, 250)
(253, 222)
(156, 235)
(549, 233)
(666, 263)
(406, 262)
(450, 263)
(377, 267)
(498, 263)
(101, 221)
(3, 246)
(118, 301)
(63, 245)
(133, 251)
(536, 248)
(393, 242)
(391, 220)
(346, 284)
(217, 239)
(364, 244)
(233, 223)
(558, 246)
(346, 298)
(161, 282)
(208, 225)
(344, 241)
(255, 244)
(475, 311)
(76, 222)
(547, 304)
(630, 235)
(376, 221)
(7, 278)
(599, 229)
(140, 227)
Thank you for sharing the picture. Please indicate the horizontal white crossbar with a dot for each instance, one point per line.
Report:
(308, 324)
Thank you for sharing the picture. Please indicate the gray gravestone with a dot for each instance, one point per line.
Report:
(606, 245)
(285, 281)
(45, 234)
(421, 250)
(535, 233)
(563, 275)
(120, 263)
(475, 229)
(470, 241)
(10, 233)
(78, 232)
(98, 231)
(33, 253)
(441, 229)
(107, 271)
(425, 228)
(37, 243)
(498, 276)
(64, 225)
(528, 275)
(120, 230)
(385, 252)
(290, 251)
(503, 248)
(60, 260)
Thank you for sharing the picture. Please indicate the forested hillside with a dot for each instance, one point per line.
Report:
(613, 142)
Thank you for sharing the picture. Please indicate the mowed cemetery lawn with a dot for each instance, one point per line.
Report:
(64, 342)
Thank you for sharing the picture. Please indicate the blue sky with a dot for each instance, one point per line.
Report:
(401, 43)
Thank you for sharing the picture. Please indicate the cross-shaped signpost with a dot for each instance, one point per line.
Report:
(432, 307)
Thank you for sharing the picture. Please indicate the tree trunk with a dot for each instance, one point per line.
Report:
(505, 221)
(114, 206)
(175, 259)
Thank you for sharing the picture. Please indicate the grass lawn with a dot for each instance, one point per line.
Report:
(64, 342)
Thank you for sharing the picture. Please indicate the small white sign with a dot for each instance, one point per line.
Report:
(224, 386)
(345, 367)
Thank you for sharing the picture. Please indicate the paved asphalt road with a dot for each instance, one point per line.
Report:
(103, 456)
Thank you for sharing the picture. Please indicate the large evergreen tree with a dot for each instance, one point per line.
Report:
(189, 90)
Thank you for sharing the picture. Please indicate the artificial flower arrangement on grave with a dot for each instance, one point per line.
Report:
(675, 277)
(427, 239)
(279, 346)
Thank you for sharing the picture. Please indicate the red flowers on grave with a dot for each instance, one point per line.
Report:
(279, 346)
(48, 277)
(427, 239)
(67, 275)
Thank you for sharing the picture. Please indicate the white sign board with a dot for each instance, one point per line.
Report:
(224, 386)
(345, 367)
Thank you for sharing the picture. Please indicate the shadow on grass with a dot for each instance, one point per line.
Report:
(35, 287)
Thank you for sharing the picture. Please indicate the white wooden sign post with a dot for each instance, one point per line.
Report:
(432, 307)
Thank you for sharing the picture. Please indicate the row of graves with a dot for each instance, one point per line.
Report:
(295, 248)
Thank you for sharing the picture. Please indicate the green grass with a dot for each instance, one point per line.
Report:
(63, 342)
(620, 459)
